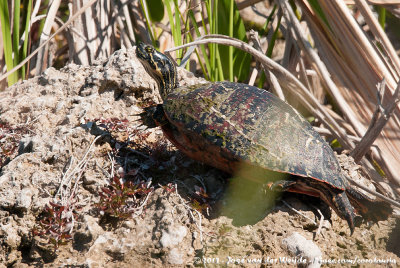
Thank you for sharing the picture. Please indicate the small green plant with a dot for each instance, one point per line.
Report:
(170, 187)
(224, 229)
(200, 200)
(56, 223)
(121, 199)
(113, 124)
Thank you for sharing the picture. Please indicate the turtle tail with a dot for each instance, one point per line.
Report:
(345, 210)
(369, 209)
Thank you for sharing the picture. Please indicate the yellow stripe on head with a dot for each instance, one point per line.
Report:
(159, 66)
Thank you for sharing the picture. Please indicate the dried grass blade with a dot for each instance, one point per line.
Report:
(356, 66)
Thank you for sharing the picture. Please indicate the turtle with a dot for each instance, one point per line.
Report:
(227, 125)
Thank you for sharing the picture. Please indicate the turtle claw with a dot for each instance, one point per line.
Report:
(146, 117)
(345, 210)
(153, 116)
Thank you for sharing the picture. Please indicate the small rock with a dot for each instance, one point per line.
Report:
(24, 199)
(89, 233)
(12, 239)
(173, 236)
(25, 145)
(300, 247)
(95, 254)
(175, 256)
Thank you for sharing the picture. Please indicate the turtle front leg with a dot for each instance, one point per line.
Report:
(281, 186)
(153, 116)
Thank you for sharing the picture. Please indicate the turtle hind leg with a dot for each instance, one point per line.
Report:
(345, 210)
(369, 209)
(290, 185)
(338, 201)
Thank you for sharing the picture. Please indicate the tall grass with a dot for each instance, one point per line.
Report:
(13, 52)
(217, 17)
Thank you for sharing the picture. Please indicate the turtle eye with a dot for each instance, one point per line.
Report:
(149, 49)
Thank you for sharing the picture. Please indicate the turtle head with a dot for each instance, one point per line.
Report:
(159, 66)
